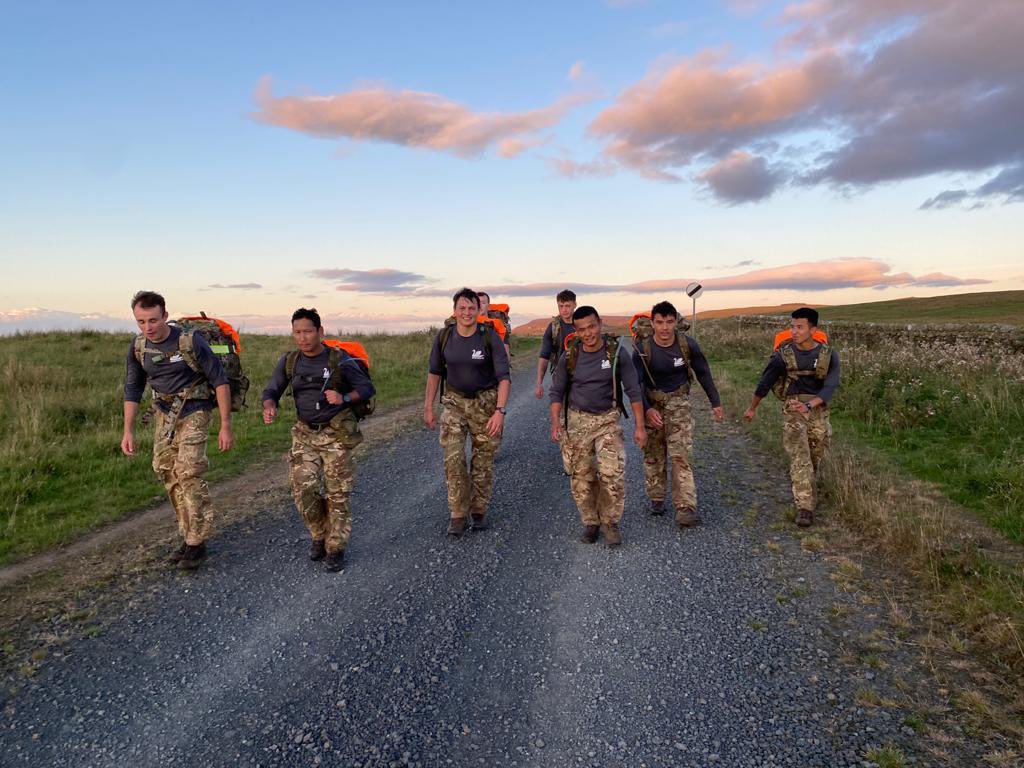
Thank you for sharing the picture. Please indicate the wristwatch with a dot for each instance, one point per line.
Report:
(501, 409)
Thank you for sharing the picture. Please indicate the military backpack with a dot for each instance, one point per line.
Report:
(484, 325)
(787, 350)
(337, 353)
(641, 329)
(573, 346)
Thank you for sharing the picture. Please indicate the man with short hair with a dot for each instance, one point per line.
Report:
(325, 382)
(589, 381)
(805, 375)
(551, 348)
(665, 368)
(470, 361)
(188, 382)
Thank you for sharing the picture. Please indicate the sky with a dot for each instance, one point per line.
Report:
(369, 159)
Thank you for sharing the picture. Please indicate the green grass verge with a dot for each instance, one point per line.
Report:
(61, 469)
(995, 307)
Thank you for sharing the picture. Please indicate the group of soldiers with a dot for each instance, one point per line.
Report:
(592, 375)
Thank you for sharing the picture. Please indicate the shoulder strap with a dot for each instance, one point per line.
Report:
(140, 349)
(290, 362)
(823, 362)
(185, 347)
(611, 346)
(684, 348)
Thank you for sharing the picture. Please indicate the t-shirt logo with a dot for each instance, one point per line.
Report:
(175, 358)
(327, 374)
(606, 364)
(678, 362)
(478, 354)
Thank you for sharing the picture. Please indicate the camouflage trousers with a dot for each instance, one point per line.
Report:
(805, 436)
(671, 444)
(469, 489)
(598, 458)
(180, 462)
(563, 447)
(321, 478)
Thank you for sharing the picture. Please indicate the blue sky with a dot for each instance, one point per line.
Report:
(133, 156)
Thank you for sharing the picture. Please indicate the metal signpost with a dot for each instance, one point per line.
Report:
(694, 290)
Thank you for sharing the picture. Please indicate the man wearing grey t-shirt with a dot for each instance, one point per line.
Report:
(589, 382)
(470, 360)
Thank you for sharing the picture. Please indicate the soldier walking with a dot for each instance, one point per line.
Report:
(551, 348)
(327, 384)
(805, 375)
(468, 362)
(188, 382)
(586, 401)
(666, 362)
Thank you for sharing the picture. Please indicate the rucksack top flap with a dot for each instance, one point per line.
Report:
(354, 348)
(787, 335)
(226, 329)
(500, 308)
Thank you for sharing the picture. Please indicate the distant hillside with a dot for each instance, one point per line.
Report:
(618, 322)
(1004, 307)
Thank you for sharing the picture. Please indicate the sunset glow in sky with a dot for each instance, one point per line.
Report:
(370, 158)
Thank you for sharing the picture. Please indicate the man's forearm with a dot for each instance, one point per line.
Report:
(638, 411)
(542, 366)
(131, 410)
(504, 387)
(556, 413)
(224, 404)
(755, 402)
(433, 381)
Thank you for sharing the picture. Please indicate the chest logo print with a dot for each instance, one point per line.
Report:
(327, 374)
(478, 354)
(605, 364)
(175, 358)
(677, 362)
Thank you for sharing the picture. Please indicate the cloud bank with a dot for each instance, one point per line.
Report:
(892, 90)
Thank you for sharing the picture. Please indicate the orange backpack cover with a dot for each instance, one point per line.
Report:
(354, 348)
(783, 336)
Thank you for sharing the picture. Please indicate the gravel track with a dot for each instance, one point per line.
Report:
(513, 646)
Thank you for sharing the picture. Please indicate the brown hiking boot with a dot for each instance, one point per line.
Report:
(192, 557)
(612, 536)
(804, 517)
(176, 555)
(687, 516)
(590, 532)
(317, 550)
(479, 523)
(658, 507)
(335, 561)
(456, 526)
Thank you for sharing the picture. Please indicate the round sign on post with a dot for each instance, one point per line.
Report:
(693, 290)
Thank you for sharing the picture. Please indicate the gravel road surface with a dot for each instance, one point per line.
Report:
(515, 646)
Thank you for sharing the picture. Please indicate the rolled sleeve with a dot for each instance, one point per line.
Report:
(435, 364)
(502, 372)
(134, 377)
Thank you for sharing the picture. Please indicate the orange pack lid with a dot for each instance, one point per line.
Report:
(354, 348)
(500, 308)
(782, 336)
(226, 328)
(633, 319)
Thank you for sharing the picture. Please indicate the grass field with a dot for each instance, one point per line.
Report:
(61, 468)
(918, 410)
(1000, 307)
(945, 407)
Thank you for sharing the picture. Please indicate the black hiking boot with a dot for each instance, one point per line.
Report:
(479, 522)
(192, 557)
(317, 550)
(590, 534)
(687, 517)
(335, 561)
(658, 507)
(612, 535)
(456, 526)
(176, 555)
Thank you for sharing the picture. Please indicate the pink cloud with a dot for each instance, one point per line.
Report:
(825, 275)
(408, 118)
(902, 89)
